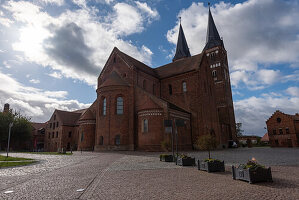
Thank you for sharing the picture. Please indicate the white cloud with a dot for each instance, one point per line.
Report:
(55, 75)
(36, 103)
(77, 42)
(152, 13)
(57, 2)
(5, 21)
(35, 81)
(293, 91)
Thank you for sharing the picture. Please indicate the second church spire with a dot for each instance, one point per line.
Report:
(182, 50)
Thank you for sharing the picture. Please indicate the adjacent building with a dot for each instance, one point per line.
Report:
(38, 136)
(134, 100)
(283, 130)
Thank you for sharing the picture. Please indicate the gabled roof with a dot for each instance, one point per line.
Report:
(213, 39)
(90, 113)
(137, 64)
(182, 49)
(114, 79)
(38, 126)
(179, 67)
(292, 117)
(69, 118)
(265, 138)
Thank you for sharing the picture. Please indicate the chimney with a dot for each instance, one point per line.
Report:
(6, 108)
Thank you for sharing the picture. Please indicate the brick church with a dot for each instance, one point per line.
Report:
(133, 100)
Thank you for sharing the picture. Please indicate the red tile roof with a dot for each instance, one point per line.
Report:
(69, 118)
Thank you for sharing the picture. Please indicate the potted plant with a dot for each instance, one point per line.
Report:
(184, 160)
(208, 142)
(252, 172)
(166, 158)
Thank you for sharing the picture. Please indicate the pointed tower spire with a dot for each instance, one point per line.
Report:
(182, 50)
(213, 39)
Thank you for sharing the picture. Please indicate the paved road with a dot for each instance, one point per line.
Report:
(139, 175)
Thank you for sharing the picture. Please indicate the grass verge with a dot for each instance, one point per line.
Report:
(15, 164)
(4, 158)
(50, 153)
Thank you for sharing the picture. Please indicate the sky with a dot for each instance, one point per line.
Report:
(52, 51)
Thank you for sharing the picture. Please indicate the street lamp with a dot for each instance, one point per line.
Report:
(10, 125)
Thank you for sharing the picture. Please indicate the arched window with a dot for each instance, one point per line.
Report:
(101, 140)
(145, 126)
(184, 85)
(170, 89)
(144, 84)
(214, 73)
(117, 140)
(104, 106)
(119, 106)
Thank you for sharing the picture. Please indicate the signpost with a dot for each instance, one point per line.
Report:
(10, 125)
(168, 129)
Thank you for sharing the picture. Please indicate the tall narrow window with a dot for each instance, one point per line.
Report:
(287, 131)
(104, 106)
(70, 134)
(214, 73)
(145, 126)
(119, 106)
(117, 140)
(184, 85)
(170, 89)
(82, 136)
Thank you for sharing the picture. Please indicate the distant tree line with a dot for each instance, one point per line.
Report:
(21, 132)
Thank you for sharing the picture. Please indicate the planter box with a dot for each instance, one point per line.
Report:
(252, 175)
(166, 158)
(185, 161)
(216, 166)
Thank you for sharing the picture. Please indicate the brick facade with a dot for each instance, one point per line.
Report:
(283, 130)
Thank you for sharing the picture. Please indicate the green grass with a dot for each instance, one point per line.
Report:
(50, 153)
(4, 158)
(15, 164)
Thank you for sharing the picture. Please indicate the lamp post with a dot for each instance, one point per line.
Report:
(10, 125)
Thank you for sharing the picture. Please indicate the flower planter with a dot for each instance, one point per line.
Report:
(166, 158)
(252, 175)
(215, 166)
(186, 161)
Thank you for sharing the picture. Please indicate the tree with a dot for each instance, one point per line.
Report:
(239, 130)
(20, 133)
(206, 142)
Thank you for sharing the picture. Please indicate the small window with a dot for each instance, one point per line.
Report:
(104, 106)
(184, 85)
(274, 132)
(119, 106)
(57, 123)
(280, 131)
(214, 73)
(54, 117)
(50, 125)
(52, 134)
(117, 140)
(170, 89)
(114, 60)
(70, 134)
(287, 131)
(53, 125)
(101, 140)
(49, 135)
(145, 126)
(82, 136)
(278, 120)
(56, 134)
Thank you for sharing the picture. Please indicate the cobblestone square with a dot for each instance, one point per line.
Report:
(140, 175)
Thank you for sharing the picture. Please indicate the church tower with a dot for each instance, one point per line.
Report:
(182, 49)
(215, 51)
